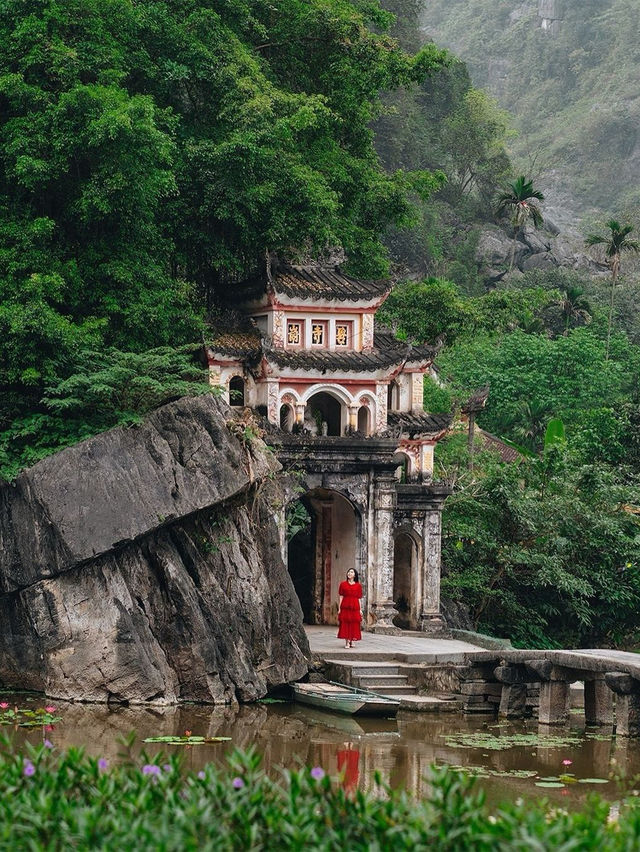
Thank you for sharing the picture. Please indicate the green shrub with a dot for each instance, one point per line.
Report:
(69, 801)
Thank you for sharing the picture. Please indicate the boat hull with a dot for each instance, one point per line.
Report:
(336, 700)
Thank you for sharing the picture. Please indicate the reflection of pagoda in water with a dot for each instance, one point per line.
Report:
(343, 401)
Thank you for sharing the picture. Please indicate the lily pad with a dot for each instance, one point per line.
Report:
(489, 742)
(27, 718)
(549, 784)
(550, 778)
(187, 740)
(593, 780)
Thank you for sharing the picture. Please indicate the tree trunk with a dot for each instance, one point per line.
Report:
(470, 437)
(614, 275)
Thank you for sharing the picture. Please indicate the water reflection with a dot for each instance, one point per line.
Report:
(402, 750)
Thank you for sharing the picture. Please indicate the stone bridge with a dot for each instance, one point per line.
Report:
(611, 684)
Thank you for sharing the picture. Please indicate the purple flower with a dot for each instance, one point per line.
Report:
(29, 769)
(151, 769)
(237, 783)
(103, 764)
(201, 775)
(167, 767)
(317, 773)
(48, 744)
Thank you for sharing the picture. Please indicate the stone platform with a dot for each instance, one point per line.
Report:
(408, 647)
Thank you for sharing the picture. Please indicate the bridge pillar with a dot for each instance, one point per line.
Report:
(598, 702)
(554, 702)
(513, 698)
(554, 691)
(627, 690)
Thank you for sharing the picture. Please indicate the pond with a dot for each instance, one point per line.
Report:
(514, 759)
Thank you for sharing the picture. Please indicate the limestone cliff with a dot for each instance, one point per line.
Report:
(144, 565)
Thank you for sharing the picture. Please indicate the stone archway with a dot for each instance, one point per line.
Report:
(324, 408)
(364, 420)
(405, 559)
(287, 417)
(236, 391)
(320, 555)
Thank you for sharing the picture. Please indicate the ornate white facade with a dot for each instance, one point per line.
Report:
(338, 393)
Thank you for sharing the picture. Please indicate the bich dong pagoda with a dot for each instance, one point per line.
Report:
(343, 404)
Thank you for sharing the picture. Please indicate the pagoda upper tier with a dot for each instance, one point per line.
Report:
(299, 343)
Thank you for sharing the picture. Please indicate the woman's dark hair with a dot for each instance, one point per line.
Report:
(355, 579)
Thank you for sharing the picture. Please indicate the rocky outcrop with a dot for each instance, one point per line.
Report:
(497, 252)
(144, 565)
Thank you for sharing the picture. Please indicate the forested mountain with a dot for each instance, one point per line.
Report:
(569, 72)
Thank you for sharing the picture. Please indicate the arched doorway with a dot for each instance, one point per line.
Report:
(364, 420)
(320, 555)
(404, 562)
(236, 391)
(393, 396)
(287, 418)
(325, 408)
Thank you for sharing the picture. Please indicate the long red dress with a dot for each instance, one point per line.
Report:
(349, 615)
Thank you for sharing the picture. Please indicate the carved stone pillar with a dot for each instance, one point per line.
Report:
(273, 413)
(382, 606)
(426, 462)
(381, 407)
(431, 621)
(352, 418)
(299, 410)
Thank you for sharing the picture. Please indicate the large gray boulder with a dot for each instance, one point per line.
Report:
(495, 248)
(144, 565)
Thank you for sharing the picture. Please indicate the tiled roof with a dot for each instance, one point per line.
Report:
(387, 341)
(419, 423)
(237, 344)
(313, 282)
(491, 442)
(326, 283)
(324, 359)
(242, 340)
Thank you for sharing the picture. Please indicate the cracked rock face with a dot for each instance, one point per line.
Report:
(144, 565)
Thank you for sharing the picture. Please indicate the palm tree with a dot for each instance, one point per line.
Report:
(614, 243)
(530, 422)
(575, 308)
(517, 200)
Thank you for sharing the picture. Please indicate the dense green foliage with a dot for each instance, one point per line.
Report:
(149, 151)
(106, 388)
(572, 86)
(55, 802)
(545, 551)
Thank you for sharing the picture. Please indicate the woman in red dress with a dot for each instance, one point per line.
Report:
(350, 611)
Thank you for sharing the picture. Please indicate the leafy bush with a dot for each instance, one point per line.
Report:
(70, 801)
(107, 388)
(545, 552)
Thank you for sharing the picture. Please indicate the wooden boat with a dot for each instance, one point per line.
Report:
(340, 698)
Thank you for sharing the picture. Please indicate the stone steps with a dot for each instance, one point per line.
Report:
(385, 679)
(378, 681)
